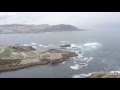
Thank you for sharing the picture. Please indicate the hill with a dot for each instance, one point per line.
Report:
(22, 28)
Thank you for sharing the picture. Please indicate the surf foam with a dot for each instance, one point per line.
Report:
(115, 72)
(92, 45)
(78, 66)
(33, 43)
(82, 75)
(42, 45)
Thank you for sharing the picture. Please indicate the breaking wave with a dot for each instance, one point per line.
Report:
(82, 75)
(91, 46)
(83, 47)
(78, 66)
(82, 61)
(43, 45)
(115, 72)
(76, 76)
(33, 44)
(79, 61)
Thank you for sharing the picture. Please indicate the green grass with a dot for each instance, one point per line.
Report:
(6, 53)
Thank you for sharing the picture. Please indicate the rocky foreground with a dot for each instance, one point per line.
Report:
(104, 75)
(16, 57)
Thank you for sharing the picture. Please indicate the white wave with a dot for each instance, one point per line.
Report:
(33, 43)
(82, 48)
(76, 76)
(42, 45)
(78, 66)
(92, 45)
(115, 72)
(85, 58)
(74, 46)
(89, 46)
(63, 62)
(82, 75)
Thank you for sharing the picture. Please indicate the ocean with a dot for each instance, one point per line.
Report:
(100, 51)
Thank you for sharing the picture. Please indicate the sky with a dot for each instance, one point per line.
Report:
(78, 19)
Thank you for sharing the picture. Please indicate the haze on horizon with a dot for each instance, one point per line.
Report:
(85, 20)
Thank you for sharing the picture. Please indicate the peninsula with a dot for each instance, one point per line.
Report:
(16, 57)
(23, 28)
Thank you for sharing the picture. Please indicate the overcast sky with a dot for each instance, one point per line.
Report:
(79, 19)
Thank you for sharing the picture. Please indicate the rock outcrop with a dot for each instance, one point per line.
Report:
(56, 56)
(66, 45)
(105, 75)
(22, 56)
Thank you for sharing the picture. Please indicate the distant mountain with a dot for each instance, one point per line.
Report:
(22, 28)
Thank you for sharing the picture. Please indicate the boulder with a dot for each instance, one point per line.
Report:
(66, 45)
(56, 56)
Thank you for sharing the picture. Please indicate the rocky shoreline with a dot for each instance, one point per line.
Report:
(105, 75)
(17, 57)
(17, 67)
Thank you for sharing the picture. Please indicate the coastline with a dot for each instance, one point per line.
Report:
(18, 67)
(10, 67)
(17, 57)
(42, 32)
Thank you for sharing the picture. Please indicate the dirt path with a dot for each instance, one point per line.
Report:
(1, 50)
